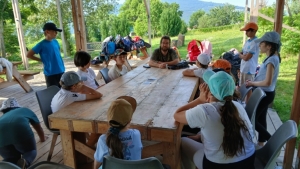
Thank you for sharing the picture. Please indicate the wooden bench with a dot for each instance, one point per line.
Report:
(19, 77)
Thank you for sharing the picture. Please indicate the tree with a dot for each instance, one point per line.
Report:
(119, 26)
(156, 8)
(131, 10)
(193, 23)
(183, 29)
(170, 21)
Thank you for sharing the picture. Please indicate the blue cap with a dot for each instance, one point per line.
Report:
(220, 84)
(70, 78)
(120, 52)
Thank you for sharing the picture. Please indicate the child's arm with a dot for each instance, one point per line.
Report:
(89, 92)
(97, 164)
(37, 127)
(189, 72)
(30, 55)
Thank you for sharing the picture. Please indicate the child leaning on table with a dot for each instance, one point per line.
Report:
(120, 141)
(82, 61)
(202, 63)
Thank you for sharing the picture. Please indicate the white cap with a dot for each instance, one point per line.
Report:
(204, 59)
(9, 103)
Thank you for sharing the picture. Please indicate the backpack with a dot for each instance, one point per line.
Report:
(181, 65)
(194, 50)
(235, 62)
(108, 46)
(127, 43)
(119, 42)
(207, 47)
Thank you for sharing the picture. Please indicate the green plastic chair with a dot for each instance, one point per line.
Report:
(265, 158)
(7, 165)
(244, 91)
(48, 165)
(147, 163)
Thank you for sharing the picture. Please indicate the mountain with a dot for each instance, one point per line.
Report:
(190, 6)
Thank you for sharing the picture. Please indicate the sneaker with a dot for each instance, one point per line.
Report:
(21, 163)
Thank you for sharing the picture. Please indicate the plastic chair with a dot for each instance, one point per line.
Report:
(44, 98)
(104, 73)
(7, 165)
(252, 104)
(244, 91)
(147, 163)
(265, 158)
(48, 165)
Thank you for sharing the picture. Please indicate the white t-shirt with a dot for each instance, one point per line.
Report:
(63, 98)
(90, 75)
(200, 71)
(207, 117)
(114, 72)
(249, 67)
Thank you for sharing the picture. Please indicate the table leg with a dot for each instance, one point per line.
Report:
(68, 148)
(18, 77)
(171, 155)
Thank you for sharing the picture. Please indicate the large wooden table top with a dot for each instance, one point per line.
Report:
(158, 92)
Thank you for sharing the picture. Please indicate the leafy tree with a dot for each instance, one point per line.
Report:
(119, 26)
(141, 25)
(131, 10)
(184, 27)
(193, 23)
(204, 21)
(104, 29)
(170, 21)
(156, 7)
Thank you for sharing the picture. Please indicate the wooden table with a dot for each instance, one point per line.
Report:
(159, 92)
(19, 77)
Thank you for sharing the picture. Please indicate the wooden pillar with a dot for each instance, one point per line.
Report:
(61, 26)
(246, 18)
(79, 25)
(279, 16)
(19, 27)
(147, 6)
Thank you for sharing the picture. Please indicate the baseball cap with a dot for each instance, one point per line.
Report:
(70, 78)
(223, 64)
(9, 103)
(51, 26)
(220, 84)
(204, 58)
(120, 52)
(250, 25)
(120, 111)
(273, 37)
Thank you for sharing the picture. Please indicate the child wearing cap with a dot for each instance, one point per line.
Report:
(82, 61)
(72, 90)
(49, 52)
(202, 63)
(249, 54)
(226, 130)
(120, 141)
(17, 142)
(119, 69)
(266, 79)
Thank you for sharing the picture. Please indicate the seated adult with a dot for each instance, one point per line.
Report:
(17, 142)
(226, 130)
(164, 55)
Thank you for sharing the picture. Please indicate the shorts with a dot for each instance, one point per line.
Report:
(244, 77)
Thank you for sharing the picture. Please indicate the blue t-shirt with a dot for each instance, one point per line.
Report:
(132, 145)
(14, 126)
(249, 67)
(50, 56)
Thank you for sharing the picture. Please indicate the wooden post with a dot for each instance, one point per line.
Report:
(79, 25)
(19, 27)
(147, 6)
(279, 16)
(61, 26)
(245, 20)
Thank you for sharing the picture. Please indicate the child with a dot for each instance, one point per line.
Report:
(72, 90)
(202, 63)
(82, 60)
(119, 68)
(120, 141)
(49, 51)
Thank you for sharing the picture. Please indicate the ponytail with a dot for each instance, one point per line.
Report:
(114, 143)
(233, 142)
(274, 47)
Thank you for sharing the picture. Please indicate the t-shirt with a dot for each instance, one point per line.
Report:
(200, 71)
(249, 67)
(274, 60)
(132, 145)
(114, 72)
(90, 75)
(49, 52)
(158, 56)
(63, 98)
(14, 126)
(207, 117)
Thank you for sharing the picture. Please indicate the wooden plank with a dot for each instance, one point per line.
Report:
(21, 80)
(28, 72)
(68, 147)
(82, 148)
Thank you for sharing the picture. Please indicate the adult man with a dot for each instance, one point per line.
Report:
(49, 51)
(164, 55)
(249, 55)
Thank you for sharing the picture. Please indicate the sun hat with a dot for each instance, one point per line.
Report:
(250, 25)
(51, 26)
(220, 84)
(9, 103)
(120, 52)
(223, 64)
(70, 78)
(120, 112)
(204, 58)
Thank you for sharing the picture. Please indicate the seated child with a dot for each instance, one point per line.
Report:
(119, 68)
(82, 61)
(202, 63)
(72, 90)
(120, 141)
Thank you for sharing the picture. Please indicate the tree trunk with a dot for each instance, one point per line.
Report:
(2, 46)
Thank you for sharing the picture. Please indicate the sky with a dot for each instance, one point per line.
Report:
(233, 2)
